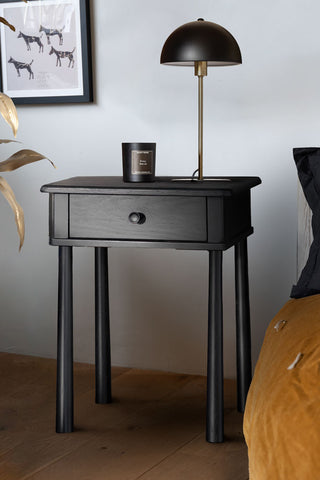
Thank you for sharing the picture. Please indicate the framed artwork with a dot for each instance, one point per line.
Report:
(48, 58)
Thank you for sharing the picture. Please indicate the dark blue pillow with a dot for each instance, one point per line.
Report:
(308, 165)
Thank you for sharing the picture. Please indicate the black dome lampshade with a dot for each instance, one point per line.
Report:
(200, 44)
(201, 41)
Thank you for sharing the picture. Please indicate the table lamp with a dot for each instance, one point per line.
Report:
(200, 44)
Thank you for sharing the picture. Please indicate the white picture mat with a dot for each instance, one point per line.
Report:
(49, 79)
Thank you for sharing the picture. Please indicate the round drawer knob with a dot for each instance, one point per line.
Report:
(137, 218)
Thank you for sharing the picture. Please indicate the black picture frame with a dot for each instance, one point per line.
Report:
(66, 82)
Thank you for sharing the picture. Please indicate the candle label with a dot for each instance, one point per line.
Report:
(141, 162)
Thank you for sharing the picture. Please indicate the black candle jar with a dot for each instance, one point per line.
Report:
(138, 162)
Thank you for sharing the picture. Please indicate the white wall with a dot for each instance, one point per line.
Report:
(254, 115)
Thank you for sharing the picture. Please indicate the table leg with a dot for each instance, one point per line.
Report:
(102, 327)
(243, 335)
(64, 405)
(215, 351)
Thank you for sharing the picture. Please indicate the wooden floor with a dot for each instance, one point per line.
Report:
(154, 429)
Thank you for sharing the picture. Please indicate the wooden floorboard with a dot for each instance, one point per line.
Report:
(154, 429)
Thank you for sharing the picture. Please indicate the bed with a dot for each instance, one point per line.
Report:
(282, 415)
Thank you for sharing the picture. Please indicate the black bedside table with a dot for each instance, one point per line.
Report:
(103, 212)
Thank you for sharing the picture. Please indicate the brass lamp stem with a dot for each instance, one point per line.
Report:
(200, 70)
(200, 128)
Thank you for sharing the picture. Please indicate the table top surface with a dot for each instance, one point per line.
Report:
(211, 186)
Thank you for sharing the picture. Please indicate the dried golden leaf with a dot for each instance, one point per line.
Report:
(17, 209)
(9, 112)
(5, 140)
(5, 22)
(21, 158)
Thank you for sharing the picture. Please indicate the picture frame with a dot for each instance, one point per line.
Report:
(48, 58)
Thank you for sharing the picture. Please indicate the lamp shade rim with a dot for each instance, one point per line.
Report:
(190, 63)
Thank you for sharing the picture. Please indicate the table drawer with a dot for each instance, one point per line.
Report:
(160, 217)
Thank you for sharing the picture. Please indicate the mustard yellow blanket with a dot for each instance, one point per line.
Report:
(282, 416)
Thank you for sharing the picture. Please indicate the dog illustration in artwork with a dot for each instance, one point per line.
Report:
(31, 39)
(21, 65)
(61, 54)
(49, 32)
